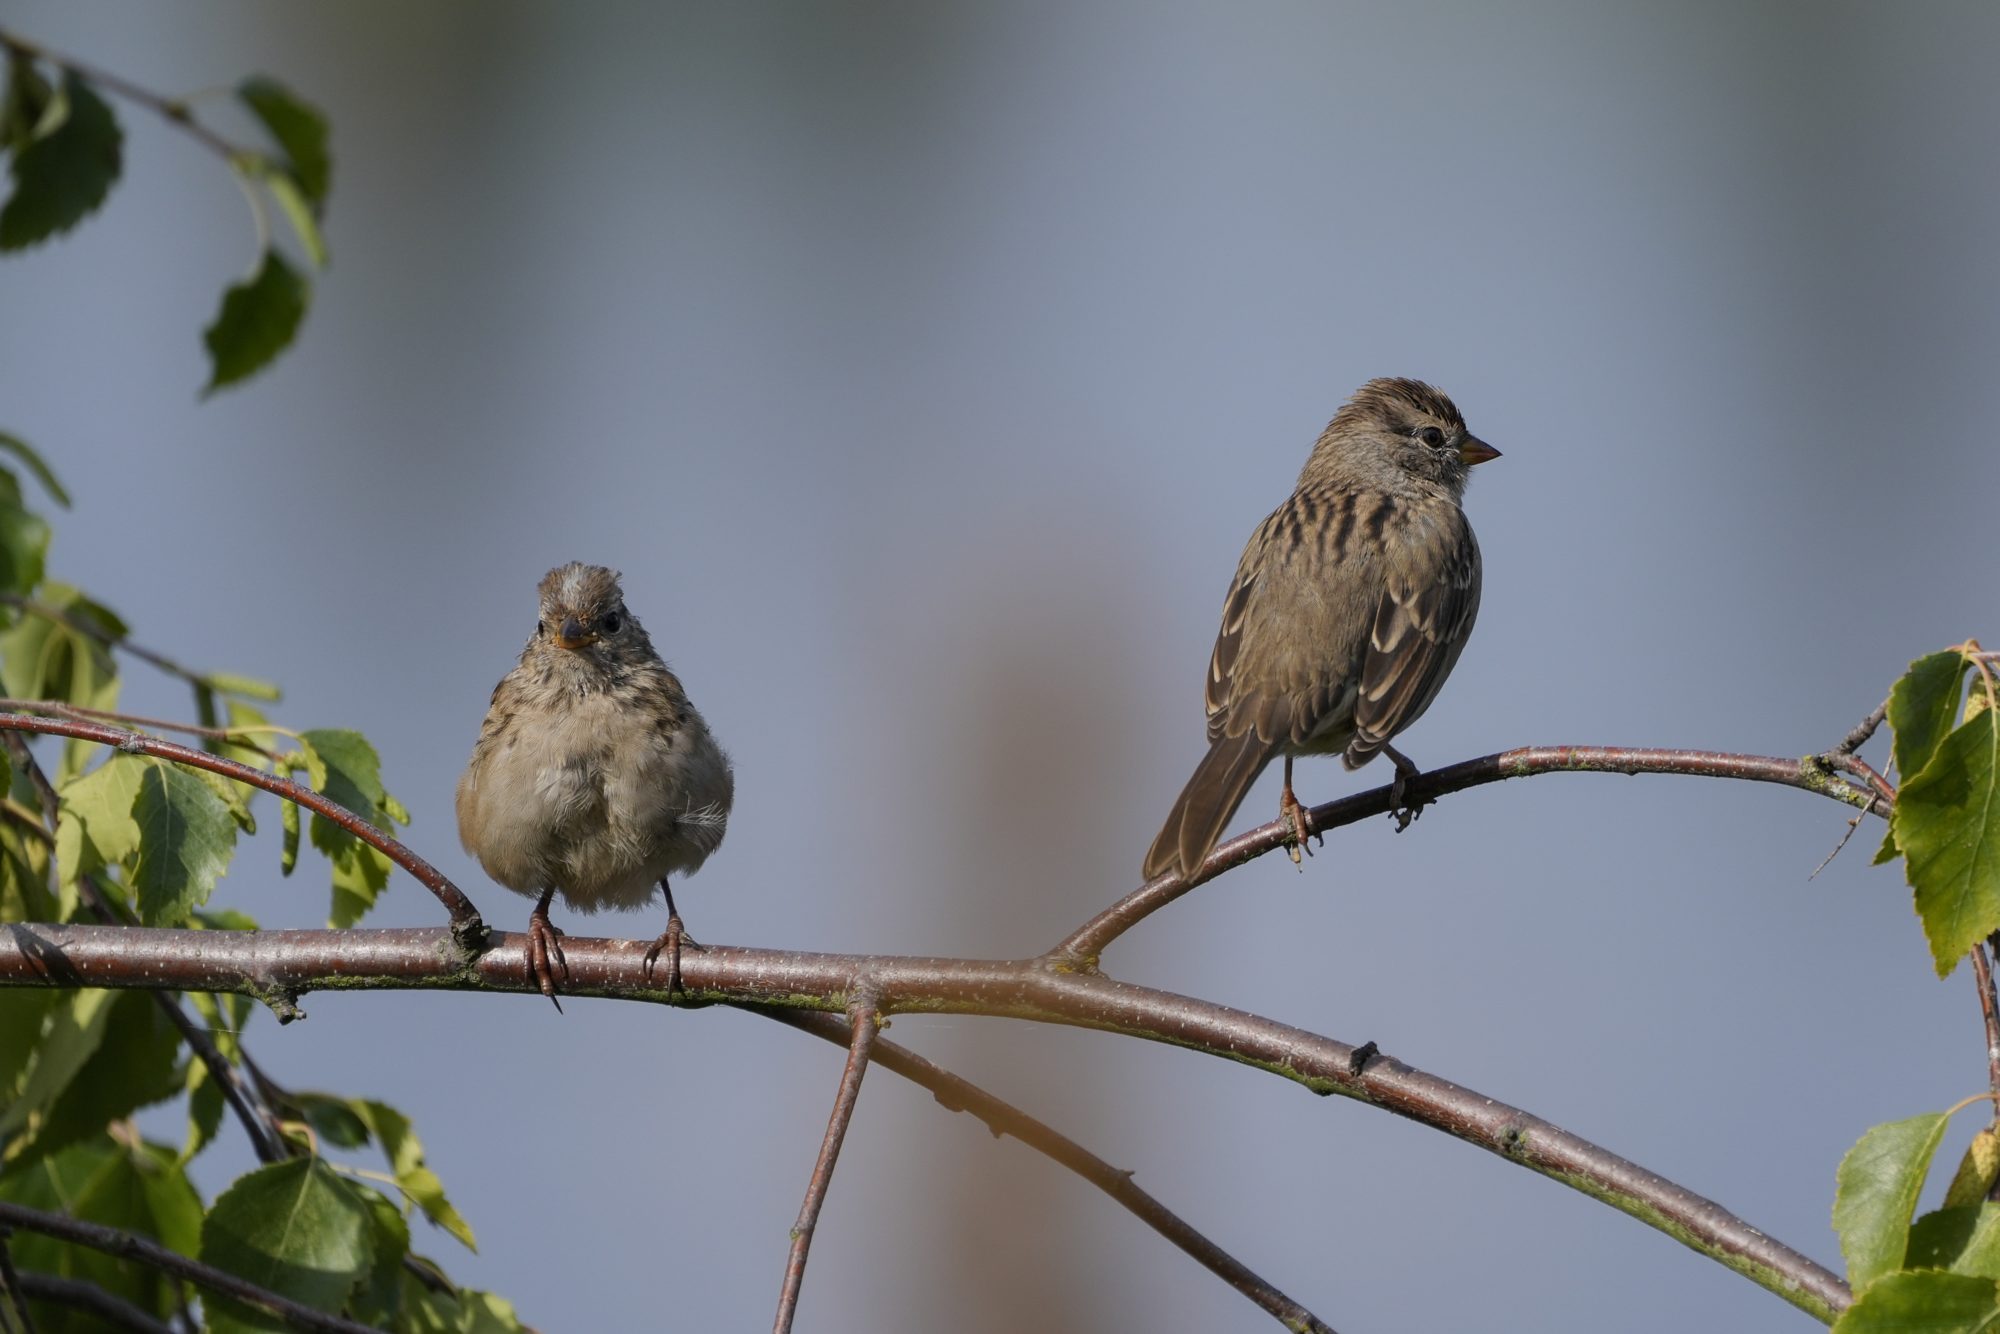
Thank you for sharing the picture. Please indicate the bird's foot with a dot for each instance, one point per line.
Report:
(1403, 809)
(545, 953)
(671, 940)
(1300, 819)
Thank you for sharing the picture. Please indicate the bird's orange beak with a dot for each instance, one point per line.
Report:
(571, 634)
(1475, 451)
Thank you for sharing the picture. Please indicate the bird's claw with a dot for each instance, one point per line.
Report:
(671, 940)
(545, 955)
(1400, 807)
(1300, 819)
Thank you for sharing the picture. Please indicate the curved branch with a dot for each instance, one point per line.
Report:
(957, 1094)
(1812, 773)
(287, 963)
(466, 926)
(146, 1251)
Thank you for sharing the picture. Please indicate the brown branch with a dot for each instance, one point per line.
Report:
(108, 1309)
(467, 928)
(1989, 1009)
(57, 709)
(1812, 774)
(289, 963)
(862, 1025)
(958, 1094)
(146, 1251)
(1864, 729)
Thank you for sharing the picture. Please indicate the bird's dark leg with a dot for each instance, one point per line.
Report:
(1403, 811)
(545, 952)
(1294, 814)
(671, 941)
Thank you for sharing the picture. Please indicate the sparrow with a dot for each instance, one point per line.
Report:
(1348, 610)
(593, 775)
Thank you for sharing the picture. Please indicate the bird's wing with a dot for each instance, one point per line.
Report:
(1284, 661)
(1422, 622)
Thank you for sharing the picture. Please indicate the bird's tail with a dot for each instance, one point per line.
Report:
(1207, 803)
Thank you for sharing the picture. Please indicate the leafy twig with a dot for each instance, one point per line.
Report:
(146, 1251)
(170, 109)
(466, 925)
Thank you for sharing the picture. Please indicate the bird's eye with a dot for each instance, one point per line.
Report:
(612, 620)
(1431, 436)
(540, 629)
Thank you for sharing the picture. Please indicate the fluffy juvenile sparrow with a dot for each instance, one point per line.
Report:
(593, 775)
(1348, 609)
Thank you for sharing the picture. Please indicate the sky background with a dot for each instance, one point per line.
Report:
(924, 368)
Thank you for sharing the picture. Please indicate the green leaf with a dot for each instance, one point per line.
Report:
(288, 848)
(258, 320)
(1878, 1184)
(1922, 708)
(247, 686)
(1964, 1239)
(19, 448)
(136, 1187)
(24, 104)
(132, 1066)
(293, 1227)
(379, 1299)
(94, 824)
(1924, 1302)
(360, 874)
(1978, 1168)
(186, 840)
(65, 172)
(1981, 1253)
(1947, 822)
(298, 212)
(416, 1180)
(343, 765)
(24, 545)
(24, 1017)
(345, 768)
(299, 129)
(74, 1031)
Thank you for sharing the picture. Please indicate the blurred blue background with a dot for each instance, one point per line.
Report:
(924, 368)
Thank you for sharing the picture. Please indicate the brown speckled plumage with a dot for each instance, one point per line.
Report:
(1348, 609)
(593, 776)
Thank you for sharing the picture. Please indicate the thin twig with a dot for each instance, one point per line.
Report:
(290, 963)
(12, 1279)
(1864, 729)
(1989, 1007)
(958, 1094)
(58, 709)
(467, 927)
(862, 1023)
(146, 1251)
(1081, 948)
(102, 634)
(108, 1309)
(172, 110)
